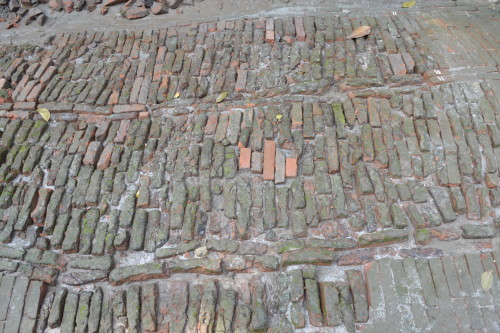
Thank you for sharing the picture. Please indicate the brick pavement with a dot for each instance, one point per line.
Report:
(342, 185)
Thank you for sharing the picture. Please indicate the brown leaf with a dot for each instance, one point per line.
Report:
(360, 32)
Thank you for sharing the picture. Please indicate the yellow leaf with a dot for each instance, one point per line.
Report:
(177, 94)
(279, 116)
(360, 32)
(45, 113)
(137, 194)
(222, 96)
(409, 4)
(487, 280)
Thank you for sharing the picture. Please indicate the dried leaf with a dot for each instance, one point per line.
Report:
(360, 32)
(279, 116)
(409, 4)
(177, 94)
(222, 96)
(137, 194)
(487, 280)
(45, 113)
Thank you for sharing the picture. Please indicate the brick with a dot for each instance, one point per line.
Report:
(409, 62)
(296, 115)
(241, 81)
(24, 106)
(256, 166)
(48, 75)
(291, 167)
(25, 92)
(279, 174)
(43, 67)
(35, 93)
(299, 29)
(121, 134)
(129, 108)
(270, 30)
(245, 157)
(211, 125)
(93, 151)
(397, 64)
(269, 159)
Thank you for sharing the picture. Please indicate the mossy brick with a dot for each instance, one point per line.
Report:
(141, 272)
(383, 237)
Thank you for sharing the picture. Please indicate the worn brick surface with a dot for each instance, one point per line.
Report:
(145, 206)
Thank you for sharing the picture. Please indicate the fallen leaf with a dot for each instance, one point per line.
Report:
(177, 94)
(45, 113)
(222, 96)
(137, 194)
(279, 116)
(360, 32)
(409, 4)
(487, 280)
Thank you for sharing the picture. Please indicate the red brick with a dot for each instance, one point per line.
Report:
(245, 155)
(20, 86)
(25, 106)
(299, 29)
(17, 114)
(260, 23)
(357, 257)
(35, 93)
(49, 73)
(13, 66)
(129, 108)
(157, 72)
(25, 92)
(291, 167)
(160, 56)
(270, 30)
(409, 62)
(121, 134)
(136, 89)
(211, 123)
(87, 118)
(92, 153)
(102, 130)
(241, 82)
(269, 159)
(114, 97)
(143, 115)
(105, 158)
(43, 67)
(397, 64)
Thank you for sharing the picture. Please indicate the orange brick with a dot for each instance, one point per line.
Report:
(299, 29)
(269, 158)
(245, 155)
(291, 167)
(397, 64)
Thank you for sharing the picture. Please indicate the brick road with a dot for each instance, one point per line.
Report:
(341, 186)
